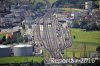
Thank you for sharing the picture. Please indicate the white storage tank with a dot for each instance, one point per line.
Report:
(23, 50)
(5, 50)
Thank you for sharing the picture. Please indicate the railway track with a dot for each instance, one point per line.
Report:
(53, 36)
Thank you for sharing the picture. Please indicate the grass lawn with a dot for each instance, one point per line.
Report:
(71, 10)
(79, 49)
(20, 59)
(91, 39)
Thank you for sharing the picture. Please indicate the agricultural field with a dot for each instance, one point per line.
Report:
(89, 39)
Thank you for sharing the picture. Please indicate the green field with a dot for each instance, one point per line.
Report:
(90, 38)
(71, 10)
(20, 59)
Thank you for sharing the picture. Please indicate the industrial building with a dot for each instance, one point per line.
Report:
(5, 50)
(22, 50)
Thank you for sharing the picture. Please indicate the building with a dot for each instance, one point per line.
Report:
(23, 50)
(5, 50)
(22, 2)
(4, 6)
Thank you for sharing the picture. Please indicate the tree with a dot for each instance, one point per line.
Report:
(9, 40)
(94, 0)
(98, 49)
(98, 25)
(23, 26)
(39, 6)
(91, 27)
(16, 38)
(26, 39)
(62, 3)
(75, 24)
(92, 21)
(4, 39)
(83, 24)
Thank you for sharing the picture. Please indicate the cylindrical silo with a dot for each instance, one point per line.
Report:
(22, 50)
(5, 50)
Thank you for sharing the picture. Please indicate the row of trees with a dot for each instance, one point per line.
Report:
(62, 3)
(73, 3)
